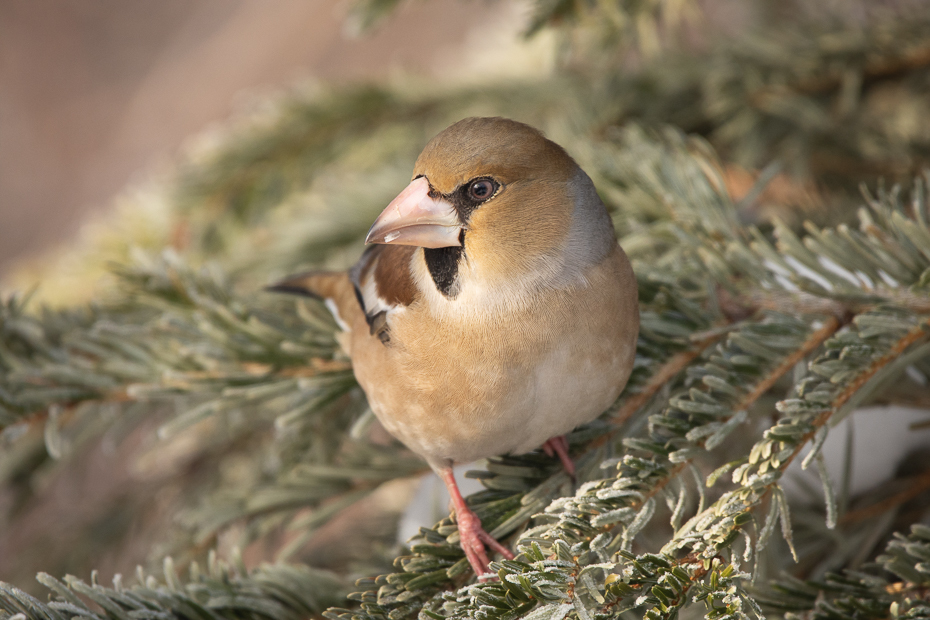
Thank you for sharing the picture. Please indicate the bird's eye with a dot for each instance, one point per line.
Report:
(482, 189)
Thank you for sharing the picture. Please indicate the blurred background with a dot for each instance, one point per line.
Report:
(96, 94)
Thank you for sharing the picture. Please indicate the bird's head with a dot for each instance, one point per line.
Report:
(500, 189)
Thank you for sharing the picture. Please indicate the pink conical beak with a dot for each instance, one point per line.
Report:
(414, 218)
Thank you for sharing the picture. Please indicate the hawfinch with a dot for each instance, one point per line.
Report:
(496, 311)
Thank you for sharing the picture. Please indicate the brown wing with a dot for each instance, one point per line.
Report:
(383, 282)
(378, 283)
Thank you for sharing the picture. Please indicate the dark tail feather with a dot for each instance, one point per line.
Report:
(293, 286)
(323, 285)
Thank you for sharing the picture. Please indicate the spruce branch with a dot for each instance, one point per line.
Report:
(269, 592)
(895, 586)
(916, 486)
(659, 379)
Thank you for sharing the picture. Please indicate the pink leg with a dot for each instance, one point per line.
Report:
(559, 446)
(470, 531)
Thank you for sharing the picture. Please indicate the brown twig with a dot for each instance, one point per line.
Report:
(792, 303)
(812, 342)
(916, 486)
(899, 347)
(663, 375)
(801, 302)
(912, 337)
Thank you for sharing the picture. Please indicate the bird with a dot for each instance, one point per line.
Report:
(493, 311)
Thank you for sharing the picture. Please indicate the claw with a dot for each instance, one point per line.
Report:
(472, 535)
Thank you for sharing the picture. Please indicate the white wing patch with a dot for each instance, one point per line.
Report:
(374, 303)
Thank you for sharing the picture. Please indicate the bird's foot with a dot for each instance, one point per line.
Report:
(558, 446)
(472, 535)
(473, 539)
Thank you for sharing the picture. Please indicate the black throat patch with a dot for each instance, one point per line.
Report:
(443, 265)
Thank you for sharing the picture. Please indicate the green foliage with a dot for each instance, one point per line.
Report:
(873, 594)
(284, 592)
